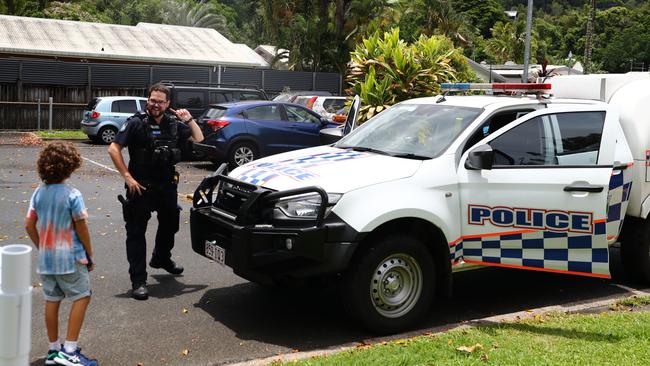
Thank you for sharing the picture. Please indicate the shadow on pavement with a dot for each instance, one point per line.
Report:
(312, 317)
(168, 286)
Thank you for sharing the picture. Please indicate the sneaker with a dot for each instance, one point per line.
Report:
(49, 360)
(73, 359)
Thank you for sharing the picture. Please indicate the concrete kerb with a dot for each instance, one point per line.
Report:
(579, 307)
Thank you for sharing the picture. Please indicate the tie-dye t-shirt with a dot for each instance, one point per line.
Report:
(54, 207)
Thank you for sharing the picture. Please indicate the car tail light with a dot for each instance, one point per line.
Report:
(217, 124)
(94, 115)
(310, 103)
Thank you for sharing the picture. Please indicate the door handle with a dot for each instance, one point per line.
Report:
(619, 166)
(583, 188)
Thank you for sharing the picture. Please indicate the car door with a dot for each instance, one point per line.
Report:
(122, 109)
(542, 205)
(266, 123)
(306, 126)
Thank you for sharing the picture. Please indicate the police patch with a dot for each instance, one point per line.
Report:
(123, 128)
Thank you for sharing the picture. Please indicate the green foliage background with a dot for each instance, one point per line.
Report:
(321, 33)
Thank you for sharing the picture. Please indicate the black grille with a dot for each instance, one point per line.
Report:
(231, 196)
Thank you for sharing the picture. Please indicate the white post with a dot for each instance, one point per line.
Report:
(51, 113)
(15, 304)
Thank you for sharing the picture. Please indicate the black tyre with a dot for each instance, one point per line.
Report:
(635, 249)
(106, 135)
(242, 153)
(391, 284)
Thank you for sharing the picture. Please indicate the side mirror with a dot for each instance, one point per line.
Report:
(481, 158)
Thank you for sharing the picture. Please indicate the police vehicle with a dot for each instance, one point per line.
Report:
(436, 185)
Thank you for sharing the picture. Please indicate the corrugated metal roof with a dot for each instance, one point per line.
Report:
(144, 42)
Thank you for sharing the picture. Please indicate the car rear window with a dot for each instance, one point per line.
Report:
(333, 105)
(93, 103)
(216, 112)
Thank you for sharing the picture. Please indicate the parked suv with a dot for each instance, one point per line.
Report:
(244, 131)
(197, 96)
(104, 116)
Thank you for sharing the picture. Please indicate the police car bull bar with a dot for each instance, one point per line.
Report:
(254, 197)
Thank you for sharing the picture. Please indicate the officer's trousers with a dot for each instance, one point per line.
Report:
(161, 198)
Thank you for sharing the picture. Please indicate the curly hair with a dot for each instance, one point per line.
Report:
(57, 161)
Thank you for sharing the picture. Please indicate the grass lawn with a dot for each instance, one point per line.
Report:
(62, 134)
(619, 337)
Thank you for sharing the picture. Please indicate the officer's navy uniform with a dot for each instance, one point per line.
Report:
(153, 167)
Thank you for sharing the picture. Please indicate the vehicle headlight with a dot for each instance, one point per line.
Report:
(303, 206)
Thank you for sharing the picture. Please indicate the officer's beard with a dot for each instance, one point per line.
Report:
(155, 112)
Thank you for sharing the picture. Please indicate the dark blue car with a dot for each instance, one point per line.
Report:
(244, 131)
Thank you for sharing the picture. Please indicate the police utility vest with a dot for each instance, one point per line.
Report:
(152, 159)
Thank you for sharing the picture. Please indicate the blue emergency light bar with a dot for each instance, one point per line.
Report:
(501, 87)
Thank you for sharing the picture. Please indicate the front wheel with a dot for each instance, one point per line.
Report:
(391, 285)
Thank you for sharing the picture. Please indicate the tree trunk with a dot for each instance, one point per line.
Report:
(11, 7)
(589, 37)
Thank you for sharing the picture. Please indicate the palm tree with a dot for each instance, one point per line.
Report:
(589, 36)
(191, 14)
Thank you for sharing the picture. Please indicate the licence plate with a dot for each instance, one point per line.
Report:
(215, 252)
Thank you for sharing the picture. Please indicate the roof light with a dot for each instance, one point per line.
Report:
(500, 87)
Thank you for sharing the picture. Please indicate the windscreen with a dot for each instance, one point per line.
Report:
(411, 130)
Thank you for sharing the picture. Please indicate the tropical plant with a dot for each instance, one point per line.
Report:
(193, 14)
(386, 69)
(508, 40)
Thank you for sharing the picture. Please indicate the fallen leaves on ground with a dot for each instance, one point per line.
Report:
(470, 349)
(30, 138)
(185, 352)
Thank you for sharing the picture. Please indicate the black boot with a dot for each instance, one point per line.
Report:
(170, 267)
(140, 292)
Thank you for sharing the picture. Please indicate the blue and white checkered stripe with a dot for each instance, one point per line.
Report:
(556, 251)
(620, 186)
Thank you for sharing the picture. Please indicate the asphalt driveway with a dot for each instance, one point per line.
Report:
(208, 316)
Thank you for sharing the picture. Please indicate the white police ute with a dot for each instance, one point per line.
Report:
(436, 185)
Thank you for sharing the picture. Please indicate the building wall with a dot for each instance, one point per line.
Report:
(71, 85)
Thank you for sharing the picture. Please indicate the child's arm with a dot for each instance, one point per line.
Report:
(30, 227)
(81, 227)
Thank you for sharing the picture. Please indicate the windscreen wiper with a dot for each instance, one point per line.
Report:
(411, 156)
(364, 149)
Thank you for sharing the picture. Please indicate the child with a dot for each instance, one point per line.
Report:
(56, 223)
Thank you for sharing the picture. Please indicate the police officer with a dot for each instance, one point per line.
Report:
(153, 140)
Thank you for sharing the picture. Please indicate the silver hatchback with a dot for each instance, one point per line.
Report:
(104, 116)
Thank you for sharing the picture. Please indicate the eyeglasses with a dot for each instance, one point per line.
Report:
(156, 102)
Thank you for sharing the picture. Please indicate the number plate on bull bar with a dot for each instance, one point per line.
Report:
(215, 252)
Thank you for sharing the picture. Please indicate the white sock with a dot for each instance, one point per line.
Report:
(70, 346)
(55, 346)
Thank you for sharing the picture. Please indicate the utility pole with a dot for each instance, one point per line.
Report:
(529, 22)
(589, 36)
